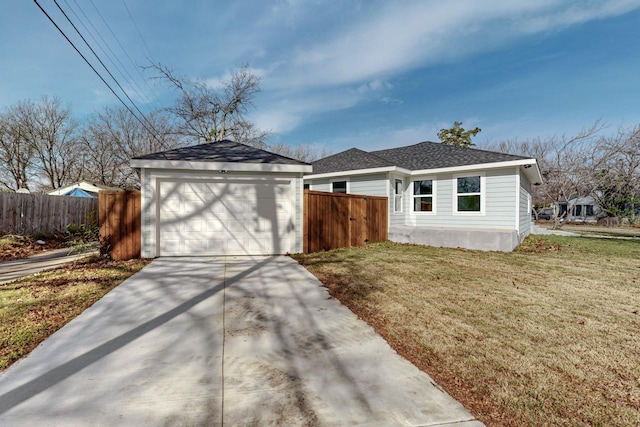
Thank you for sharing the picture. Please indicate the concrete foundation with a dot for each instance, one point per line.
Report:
(467, 238)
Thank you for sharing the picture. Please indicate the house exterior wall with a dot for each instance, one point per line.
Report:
(149, 194)
(503, 222)
(525, 206)
(323, 184)
(499, 193)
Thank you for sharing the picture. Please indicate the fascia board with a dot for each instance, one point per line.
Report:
(532, 173)
(218, 166)
(360, 172)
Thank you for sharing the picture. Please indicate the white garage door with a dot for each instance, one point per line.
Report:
(225, 217)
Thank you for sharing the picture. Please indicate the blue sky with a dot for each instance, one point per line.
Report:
(340, 74)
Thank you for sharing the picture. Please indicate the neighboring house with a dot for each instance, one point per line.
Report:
(81, 189)
(221, 198)
(580, 209)
(439, 195)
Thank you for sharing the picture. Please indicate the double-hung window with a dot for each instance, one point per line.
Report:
(397, 195)
(423, 195)
(469, 194)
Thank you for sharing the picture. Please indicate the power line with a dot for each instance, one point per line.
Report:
(111, 56)
(152, 133)
(106, 24)
(100, 61)
(138, 30)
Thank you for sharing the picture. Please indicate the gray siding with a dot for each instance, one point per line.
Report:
(319, 184)
(525, 208)
(369, 185)
(499, 201)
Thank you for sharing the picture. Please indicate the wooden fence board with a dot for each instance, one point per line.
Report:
(31, 214)
(120, 232)
(334, 220)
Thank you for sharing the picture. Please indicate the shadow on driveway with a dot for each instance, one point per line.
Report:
(214, 341)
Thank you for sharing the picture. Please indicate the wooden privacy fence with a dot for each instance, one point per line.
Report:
(29, 214)
(120, 224)
(334, 220)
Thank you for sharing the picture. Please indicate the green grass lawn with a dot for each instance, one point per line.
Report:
(36, 306)
(546, 335)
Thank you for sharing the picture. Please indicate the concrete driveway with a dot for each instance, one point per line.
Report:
(221, 341)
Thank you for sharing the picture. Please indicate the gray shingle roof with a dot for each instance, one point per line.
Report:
(346, 161)
(424, 155)
(222, 151)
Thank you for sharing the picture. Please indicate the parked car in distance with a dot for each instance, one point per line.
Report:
(543, 214)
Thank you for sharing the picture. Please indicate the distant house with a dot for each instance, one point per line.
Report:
(439, 195)
(579, 209)
(81, 189)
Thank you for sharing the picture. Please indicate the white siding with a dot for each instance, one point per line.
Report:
(500, 203)
(369, 185)
(525, 207)
(319, 184)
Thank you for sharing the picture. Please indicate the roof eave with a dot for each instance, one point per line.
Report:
(369, 171)
(218, 166)
(529, 167)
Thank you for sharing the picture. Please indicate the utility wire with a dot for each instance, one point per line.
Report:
(135, 66)
(138, 30)
(104, 46)
(97, 73)
(102, 63)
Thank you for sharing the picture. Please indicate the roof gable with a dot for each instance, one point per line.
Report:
(221, 152)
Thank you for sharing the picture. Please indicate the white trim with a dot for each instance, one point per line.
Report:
(360, 172)
(219, 166)
(483, 194)
(532, 173)
(434, 190)
(393, 195)
(518, 200)
(346, 179)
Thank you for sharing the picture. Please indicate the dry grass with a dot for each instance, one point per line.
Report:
(36, 306)
(547, 335)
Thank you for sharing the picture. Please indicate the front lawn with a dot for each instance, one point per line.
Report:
(546, 335)
(34, 307)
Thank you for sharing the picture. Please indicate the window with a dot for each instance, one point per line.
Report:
(423, 195)
(339, 186)
(397, 195)
(468, 193)
(306, 186)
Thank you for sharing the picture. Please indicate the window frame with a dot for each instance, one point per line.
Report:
(398, 196)
(345, 180)
(432, 195)
(482, 194)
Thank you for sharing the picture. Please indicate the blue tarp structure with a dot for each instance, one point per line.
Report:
(79, 192)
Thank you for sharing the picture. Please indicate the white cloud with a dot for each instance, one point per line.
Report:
(391, 38)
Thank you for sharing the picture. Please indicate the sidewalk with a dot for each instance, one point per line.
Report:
(15, 269)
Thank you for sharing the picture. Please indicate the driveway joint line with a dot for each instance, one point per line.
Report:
(224, 334)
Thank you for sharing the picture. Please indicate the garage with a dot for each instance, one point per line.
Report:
(221, 198)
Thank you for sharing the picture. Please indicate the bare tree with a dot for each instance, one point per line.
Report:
(209, 114)
(569, 165)
(304, 153)
(619, 190)
(16, 154)
(51, 132)
(113, 136)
